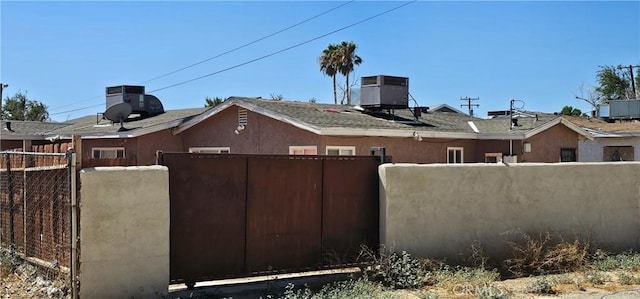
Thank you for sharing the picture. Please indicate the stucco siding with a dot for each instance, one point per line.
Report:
(545, 146)
(437, 211)
(593, 150)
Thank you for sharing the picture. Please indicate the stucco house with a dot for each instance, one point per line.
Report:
(618, 141)
(242, 125)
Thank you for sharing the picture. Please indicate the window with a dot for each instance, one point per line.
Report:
(617, 153)
(341, 150)
(303, 150)
(455, 155)
(107, 152)
(210, 150)
(568, 155)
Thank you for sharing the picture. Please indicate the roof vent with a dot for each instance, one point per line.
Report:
(144, 104)
(386, 92)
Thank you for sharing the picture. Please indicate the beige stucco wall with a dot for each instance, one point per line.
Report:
(124, 232)
(438, 210)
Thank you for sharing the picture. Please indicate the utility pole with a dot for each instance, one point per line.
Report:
(2, 86)
(511, 114)
(469, 105)
(633, 79)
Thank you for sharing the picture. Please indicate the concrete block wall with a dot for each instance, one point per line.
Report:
(124, 232)
(438, 210)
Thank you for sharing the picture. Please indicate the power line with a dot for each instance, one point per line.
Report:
(247, 44)
(219, 55)
(285, 49)
(264, 56)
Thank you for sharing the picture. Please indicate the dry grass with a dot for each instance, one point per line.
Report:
(545, 253)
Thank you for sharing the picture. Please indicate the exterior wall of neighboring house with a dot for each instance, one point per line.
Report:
(602, 149)
(10, 144)
(265, 135)
(405, 150)
(129, 145)
(546, 146)
(150, 143)
(262, 135)
(498, 146)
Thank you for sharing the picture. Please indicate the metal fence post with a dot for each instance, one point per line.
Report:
(71, 160)
(24, 204)
(10, 192)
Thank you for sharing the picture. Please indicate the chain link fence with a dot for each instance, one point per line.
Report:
(35, 208)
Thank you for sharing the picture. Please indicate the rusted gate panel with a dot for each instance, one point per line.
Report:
(239, 215)
(350, 208)
(284, 212)
(207, 229)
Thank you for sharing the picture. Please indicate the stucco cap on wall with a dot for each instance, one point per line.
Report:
(127, 168)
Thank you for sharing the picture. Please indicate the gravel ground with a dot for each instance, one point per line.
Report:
(26, 283)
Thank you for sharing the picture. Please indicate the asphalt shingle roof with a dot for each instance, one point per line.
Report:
(29, 127)
(317, 115)
(93, 125)
(338, 116)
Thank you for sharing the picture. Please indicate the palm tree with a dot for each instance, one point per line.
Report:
(329, 65)
(209, 102)
(348, 60)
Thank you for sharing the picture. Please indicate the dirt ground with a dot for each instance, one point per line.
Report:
(26, 283)
(517, 288)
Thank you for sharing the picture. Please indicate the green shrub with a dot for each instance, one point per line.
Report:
(595, 277)
(357, 289)
(542, 285)
(629, 261)
(398, 271)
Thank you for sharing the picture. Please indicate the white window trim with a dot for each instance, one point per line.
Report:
(105, 149)
(461, 149)
(340, 148)
(210, 150)
(302, 147)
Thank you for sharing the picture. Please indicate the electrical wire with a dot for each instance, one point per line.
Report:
(264, 56)
(247, 44)
(216, 56)
(285, 49)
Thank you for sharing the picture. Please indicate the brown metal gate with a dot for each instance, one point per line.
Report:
(241, 215)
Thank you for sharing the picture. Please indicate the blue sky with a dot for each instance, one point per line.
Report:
(65, 53)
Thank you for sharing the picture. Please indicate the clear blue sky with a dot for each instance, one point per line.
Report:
(65, 53)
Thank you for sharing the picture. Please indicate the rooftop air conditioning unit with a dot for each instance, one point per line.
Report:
(144, 104)
(624, 109)
(385, 92)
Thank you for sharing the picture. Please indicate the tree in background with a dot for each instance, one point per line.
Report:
(614, 83)
(348, 61)
(209, 102)
(329, 65)
(276, 96)
(19, 107)
(568, 110)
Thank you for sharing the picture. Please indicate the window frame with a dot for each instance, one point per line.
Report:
(293, 148)
(210, 149)
(340, 148)
(455, 148)
(101, 150)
